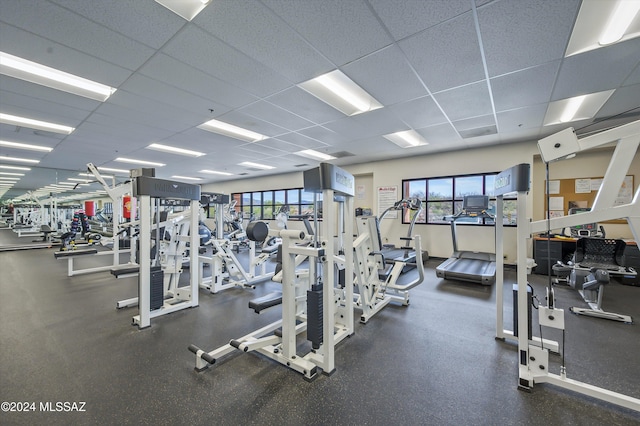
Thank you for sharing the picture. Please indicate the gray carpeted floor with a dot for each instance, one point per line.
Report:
(435, 362)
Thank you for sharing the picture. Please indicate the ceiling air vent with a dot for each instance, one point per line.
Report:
(478, 131)
(243, 174)
(301, 165)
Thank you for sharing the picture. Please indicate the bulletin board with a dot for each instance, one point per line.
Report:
(565, 194)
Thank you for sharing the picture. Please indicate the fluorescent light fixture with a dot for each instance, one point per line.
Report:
(174, 150)
(11, 174)
(597, 24)
(33, 72)
(185, 178)
(256, 165)
(188, 9)
(35, 124)
(620, 19)
(407, 139)
(141, 162)
(29, 147)
(213, 172)
(104, 176)
(339, 91)
(79, 180)
(19, 160)
(226, 129)
(576, 108)
(2, 166)
(315, 155)
(9, 178)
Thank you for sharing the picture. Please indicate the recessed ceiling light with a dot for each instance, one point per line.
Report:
(226, 129)
(23, 69)
(407, 139)
(6, 178)
(11, 174)
(256, 165)
(2, 166)
(188, 9)
(185, 177)
(315, 155)
(174, 150)
(29, 147)
(576, 108)
(79, 180)
(35, 124)
(141, 162)
(598, 25)
(213, 172)
(339, 91)
(19, 160)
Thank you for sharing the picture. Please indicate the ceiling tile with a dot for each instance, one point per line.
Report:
(145, 21)
(404, 18)
(420, 112)
(324, 135)
(597, 70)
(261, 36)
(526, 87)
(447, 55)
(521, 118)
(521, 34)
(208, 54)
(386, 75)
(305, 105)
(104, 43)
(276, 115)
(349, 20)
(465, 102)
(624, 100)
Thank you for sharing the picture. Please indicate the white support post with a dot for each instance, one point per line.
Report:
(499, 230)
(144, 277)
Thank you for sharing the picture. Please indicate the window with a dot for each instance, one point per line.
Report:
(265, 205)
(442, 198)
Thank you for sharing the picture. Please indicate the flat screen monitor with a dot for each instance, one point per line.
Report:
(475, 203)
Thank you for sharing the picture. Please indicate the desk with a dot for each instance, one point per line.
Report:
(563, 248)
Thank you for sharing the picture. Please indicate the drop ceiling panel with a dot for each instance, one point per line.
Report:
(171, 123)
(526, 87)
(624, 100)
(440, 134)
(248, 122)
(349, 20)
(13, 133)
(163, 93)
(404, 18)
(420, 112)
(199, 49)
(145, 21)
(261, 36)
(465, 102)
(324, 135)
(260, 152)
(474, 123)
(521, 118)
(29, 46)
(178, 74)
(597, 70)
(37, 93)
(374, 123)
(305, 105)
(104, 43)
(634, 77)
(17, 104)
(447, 55)
(276, 115)
(386, 75)
(518, 35)
(302, 141)
(278, 145)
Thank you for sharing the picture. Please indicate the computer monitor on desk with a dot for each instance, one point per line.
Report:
(584, 230)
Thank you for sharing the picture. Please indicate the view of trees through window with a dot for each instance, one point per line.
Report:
(265, 205)
(442, 197)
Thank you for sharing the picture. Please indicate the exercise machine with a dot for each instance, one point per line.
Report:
(376, 279)
(406, 253)
(317, 300)
(471, 266)
(533, 360)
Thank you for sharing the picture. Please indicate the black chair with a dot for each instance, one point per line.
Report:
(595, 260)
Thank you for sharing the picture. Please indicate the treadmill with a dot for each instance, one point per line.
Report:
(470, 266)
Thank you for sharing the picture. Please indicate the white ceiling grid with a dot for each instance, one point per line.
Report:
(462, 73)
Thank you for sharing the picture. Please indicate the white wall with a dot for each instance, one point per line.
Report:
(436, 239)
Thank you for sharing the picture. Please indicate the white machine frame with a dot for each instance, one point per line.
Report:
(533, 360)
(326, 255)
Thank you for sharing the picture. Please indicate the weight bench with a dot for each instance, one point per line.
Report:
(72, 254)
(266, 301)
(125, 271)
